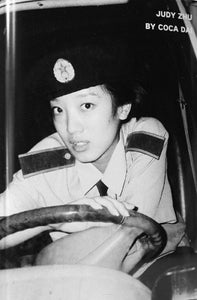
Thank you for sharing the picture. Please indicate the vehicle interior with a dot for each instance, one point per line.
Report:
(30, 31)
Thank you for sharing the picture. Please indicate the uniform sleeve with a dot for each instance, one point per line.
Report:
(19, 196)
(23, 193)
(147, 185)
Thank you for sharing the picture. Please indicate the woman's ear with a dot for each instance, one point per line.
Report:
(123, 111)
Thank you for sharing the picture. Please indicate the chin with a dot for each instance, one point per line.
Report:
(85, 158)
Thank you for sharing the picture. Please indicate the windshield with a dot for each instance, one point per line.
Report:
(155, 29)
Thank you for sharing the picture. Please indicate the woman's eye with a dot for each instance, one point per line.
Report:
(56, 110)
(87, 106)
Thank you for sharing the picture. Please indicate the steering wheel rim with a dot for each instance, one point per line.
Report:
(83, 213)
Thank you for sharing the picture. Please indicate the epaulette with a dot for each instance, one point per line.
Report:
(33, 163)
(146, 143)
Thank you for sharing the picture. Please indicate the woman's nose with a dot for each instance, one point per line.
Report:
(74, 124)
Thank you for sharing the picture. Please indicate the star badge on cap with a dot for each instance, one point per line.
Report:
(63, 70)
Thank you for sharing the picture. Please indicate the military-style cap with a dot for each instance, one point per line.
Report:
(82, 65)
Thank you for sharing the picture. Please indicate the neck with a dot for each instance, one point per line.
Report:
(101, 166)
(102, 163)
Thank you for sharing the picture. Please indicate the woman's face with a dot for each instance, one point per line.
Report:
(86, 122)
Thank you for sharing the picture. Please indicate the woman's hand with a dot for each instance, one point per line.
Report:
(115, 207)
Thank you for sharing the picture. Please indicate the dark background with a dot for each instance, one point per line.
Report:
(168, 57)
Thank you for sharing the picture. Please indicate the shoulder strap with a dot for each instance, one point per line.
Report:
(33, 163)
(146, 143)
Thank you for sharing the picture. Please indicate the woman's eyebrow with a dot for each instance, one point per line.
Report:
(89, 94)
(53, 101)
(80, 95)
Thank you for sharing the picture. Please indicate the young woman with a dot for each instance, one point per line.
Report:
(93, 94)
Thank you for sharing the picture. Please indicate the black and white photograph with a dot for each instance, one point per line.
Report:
(98, 149)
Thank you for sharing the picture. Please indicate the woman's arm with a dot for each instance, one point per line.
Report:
(147, 185)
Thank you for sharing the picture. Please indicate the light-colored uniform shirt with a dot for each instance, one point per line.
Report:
(134, 176)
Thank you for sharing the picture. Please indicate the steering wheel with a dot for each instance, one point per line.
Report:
(153, 237)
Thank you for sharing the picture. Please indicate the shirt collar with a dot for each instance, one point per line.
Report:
(114, 175)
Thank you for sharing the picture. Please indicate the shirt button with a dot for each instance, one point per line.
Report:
(67, 156)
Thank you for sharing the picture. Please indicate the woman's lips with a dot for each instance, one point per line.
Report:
(79, 146)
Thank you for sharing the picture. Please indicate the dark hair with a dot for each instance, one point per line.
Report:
(127, 94)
